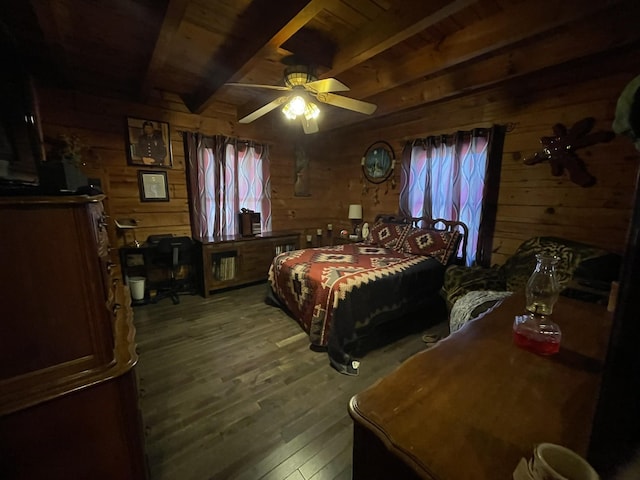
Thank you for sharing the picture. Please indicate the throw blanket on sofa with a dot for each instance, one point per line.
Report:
(514, 273)
(474, 305)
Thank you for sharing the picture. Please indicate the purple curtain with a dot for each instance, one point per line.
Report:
(252, 173)
(444, 177)
(224, 175)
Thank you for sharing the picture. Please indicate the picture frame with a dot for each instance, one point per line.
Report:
(148, 143)
(378, 162)
(153, 186)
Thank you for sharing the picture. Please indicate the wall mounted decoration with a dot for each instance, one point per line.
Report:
(560, 150)
(153, 186)
(149, 143)
(301, 180)
(378, 162)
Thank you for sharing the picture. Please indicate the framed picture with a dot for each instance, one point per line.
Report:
(149, 143)
(153, 186)
(378, 162)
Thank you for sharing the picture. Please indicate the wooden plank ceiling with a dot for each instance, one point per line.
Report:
(397, 54)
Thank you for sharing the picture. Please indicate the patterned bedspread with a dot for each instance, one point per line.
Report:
(339, 292)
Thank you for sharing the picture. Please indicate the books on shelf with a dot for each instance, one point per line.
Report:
(284, 248)
(224, 268)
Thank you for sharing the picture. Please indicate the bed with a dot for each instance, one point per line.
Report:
(340, 293)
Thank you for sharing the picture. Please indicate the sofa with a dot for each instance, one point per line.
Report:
(583, 272)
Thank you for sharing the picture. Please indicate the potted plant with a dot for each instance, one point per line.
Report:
(60, 172)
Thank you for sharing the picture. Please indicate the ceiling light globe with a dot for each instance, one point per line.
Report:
(298, 105)
(286, 110)
(311, 111)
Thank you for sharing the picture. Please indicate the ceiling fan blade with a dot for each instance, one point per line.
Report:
(326, 85)
(264, 110)
(346, 102)
(309, 126)
(255, 85)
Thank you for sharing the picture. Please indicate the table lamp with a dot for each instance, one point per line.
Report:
(355, 215)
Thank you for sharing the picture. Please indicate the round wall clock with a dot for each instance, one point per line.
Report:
(378, 162)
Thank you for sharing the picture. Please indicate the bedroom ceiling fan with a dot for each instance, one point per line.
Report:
(303, 87)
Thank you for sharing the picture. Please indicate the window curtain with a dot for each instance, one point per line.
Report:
(450, 177)
(224, 175)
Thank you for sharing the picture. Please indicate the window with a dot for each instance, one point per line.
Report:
(446, 177)
(225, 175)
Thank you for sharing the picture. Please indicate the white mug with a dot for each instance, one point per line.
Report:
(555, 462)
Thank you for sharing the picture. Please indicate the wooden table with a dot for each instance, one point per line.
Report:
(473, 405)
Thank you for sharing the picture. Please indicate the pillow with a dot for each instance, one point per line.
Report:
(435, 243)
(387, 235)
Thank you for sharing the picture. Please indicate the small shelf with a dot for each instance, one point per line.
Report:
(233, 261)
(224, 265)
(135, 264)
(287, 247)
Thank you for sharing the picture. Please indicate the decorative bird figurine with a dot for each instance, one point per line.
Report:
(560, 150)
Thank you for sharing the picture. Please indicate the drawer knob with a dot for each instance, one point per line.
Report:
(102, 222)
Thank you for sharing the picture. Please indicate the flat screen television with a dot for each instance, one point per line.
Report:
(21, 140)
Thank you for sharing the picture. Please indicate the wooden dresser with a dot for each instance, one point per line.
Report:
(472, 406)
(68, 392)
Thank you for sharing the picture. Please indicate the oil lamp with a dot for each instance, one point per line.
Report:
(534, 330)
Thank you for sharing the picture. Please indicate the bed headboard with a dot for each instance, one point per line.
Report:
(434, 224)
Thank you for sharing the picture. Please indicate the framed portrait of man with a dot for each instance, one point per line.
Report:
(153, 186)
(149, 143)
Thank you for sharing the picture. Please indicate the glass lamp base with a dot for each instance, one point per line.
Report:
(537, 334)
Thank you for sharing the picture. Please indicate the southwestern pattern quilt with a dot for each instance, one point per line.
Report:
(337, 293)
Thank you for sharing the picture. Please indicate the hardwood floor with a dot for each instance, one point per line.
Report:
(231, 390)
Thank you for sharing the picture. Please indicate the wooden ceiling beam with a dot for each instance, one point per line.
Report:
(391, 28)
(588, 39)
(173, 17)
(273, 26)
(482, 38)
(311, 47)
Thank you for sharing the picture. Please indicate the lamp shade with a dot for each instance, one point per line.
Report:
(355, 212)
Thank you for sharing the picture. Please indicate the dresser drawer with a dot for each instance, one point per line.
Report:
(99, 227)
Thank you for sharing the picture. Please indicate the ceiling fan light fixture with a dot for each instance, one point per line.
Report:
(298, 76)
(311, 111)
(298, 105)
(286, 110)
(302, 86)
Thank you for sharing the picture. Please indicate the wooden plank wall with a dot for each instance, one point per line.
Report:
(100, 123)
(325, 203)
(531, 201)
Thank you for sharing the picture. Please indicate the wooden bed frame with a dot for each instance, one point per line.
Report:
(440, 224)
